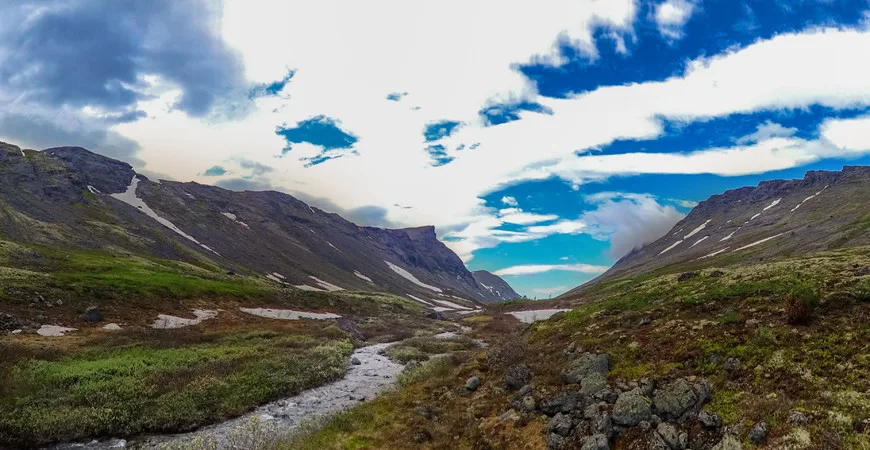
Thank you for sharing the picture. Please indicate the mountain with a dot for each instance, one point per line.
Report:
(823, 211)
(70, 197)
(495, 285)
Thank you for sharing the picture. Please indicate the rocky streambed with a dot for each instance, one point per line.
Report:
(369, 374)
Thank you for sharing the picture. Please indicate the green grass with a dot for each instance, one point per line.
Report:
(134, 387)
(420, 348)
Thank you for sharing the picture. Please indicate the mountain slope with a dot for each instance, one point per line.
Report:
(824, 210)
(70, 197)
(495, 284)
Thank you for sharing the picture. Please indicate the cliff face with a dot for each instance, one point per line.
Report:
(70, 197)
(824, 210)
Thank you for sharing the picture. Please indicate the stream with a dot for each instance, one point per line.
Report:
(361, 383)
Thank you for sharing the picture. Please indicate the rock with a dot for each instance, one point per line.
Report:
(647, 387)
(93, 314)
(716, 274)
(758, 434)
(798, 418)
(528, 403)
(555, 442)
(560, 424)
(608, 394)
(350, 328)
(670, 436)
(675, 399)
(571, 347)
(602, 424)
(631, 409)
(472, 383)
(517, 376)
(703, 390)
(732, 364)
(864, 271)
(524, 391)
(686, 276)
(355, 361)
(729, 443)
(510, 416)
(714, 359)
(8, 322)
(592, 384)
(422, 436)
(710, 420)
(565, 402)
(646, 320)
(434, 315)
(59, 303)
(584, 365)
(592, 411)
(595, 442)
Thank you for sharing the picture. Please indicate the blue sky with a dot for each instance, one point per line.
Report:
(543, 143)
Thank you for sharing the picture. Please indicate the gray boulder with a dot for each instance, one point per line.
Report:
(592, 384)
(732, 364)
(528, 403)
(517, 376)
(710, 420)
(472, 383)
(93, 314)
(671, 437)
(564, 402)
(675, 399)
(355, 361)
(596, 442)
(758, 434)
(798, 418)
(585, 365)
(631, 409)
(560, 424)
(556, 442)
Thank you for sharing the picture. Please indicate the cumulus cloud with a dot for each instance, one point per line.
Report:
(509, 201)
(630, 222)
(531, 269)
(672, 15)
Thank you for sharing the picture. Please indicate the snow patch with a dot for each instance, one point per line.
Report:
(535, 315)
(808, 198)
(714, 253)
(53, 330)
(287, 314)
(165, 321)
(757, 242)
(441, 309)
(753, 217)
(129, 197)
(671, 247)
(306, 287)
(410, 277)
(326, 285)
(775, 202)
(449, 304)
(334, 247)
(732, 234)
(235, 219)
(419, 300)
(111, 327)
(94, 190)
(361, 276)
(699, 241)
(697, 230)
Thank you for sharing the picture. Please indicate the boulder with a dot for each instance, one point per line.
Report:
(675, 399)
(564, 402)
(686, 276)
(732, 364)
(631, 409)
(595, 442)
(798, 418)
(556, 442)
(93, 314)
(8, 322)
(355, 361)
(584, 365)
(560, 424)
(472, 383)
(592, 384)
(517, 376)
(602, 424)
(671, 437)
(528, 403)
(710, 420)
(422, 436)
(758, 434)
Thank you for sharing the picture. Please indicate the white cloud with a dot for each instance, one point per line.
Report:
(550, 290)
(509, 201)
(520, 217)
(531, 269)
(630, 223)
(849, 136)
(766, 131)
(671, 15)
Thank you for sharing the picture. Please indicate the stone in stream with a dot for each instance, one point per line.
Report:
(355, 361)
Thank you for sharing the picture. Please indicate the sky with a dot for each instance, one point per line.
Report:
(543, 140)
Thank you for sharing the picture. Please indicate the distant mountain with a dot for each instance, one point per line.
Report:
(824, 210)
(495, 284)
(70, 197)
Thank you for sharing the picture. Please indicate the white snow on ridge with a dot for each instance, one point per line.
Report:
(714, 253)
(287, 314)
(775, 202)
(326, 285)
(757, 242)
(274, 278)
(94, 190)
(361, 276)
(699, 241)
(235, 219)
(410, 277)
(807, 199)
(441, 309)
(334, 247)
(450, 304)
(129, 197)
(672, 246)
(697, 230)
(419, 300)
(753, 217)
(732, 234)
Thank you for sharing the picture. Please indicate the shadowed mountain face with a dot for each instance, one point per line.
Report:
(495, 284)
(822, 211)
(70, 197)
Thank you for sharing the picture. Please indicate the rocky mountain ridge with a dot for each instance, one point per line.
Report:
(71, 197)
